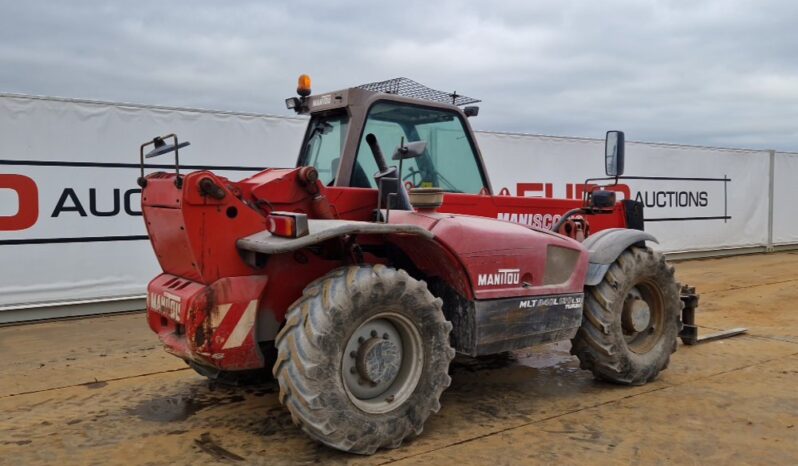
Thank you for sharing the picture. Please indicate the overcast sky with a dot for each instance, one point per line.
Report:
(698, 72)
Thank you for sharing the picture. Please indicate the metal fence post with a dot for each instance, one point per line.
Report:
(771, 196)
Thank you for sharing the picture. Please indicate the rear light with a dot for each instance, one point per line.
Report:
(288, 224)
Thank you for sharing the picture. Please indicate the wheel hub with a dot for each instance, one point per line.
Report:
(636, 315)
(378, 360)
(374, 358)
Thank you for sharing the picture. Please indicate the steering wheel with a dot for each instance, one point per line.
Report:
(411, 177)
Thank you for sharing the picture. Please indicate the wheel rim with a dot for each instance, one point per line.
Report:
(642, 317)
(382, 362)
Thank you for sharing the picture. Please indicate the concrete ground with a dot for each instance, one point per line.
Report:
(101, 391)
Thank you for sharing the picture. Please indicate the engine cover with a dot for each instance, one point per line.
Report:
(527, 284)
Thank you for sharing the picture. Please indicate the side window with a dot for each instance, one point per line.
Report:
(324, 145)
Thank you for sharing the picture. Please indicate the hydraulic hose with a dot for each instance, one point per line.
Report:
(556, 227)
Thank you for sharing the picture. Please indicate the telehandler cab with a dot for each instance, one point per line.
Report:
(356, 281)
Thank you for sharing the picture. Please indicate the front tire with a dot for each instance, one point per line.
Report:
(363, 358)
(631, 320)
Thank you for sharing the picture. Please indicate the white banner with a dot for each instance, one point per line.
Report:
(707, 198)
(70, 226)
(785, 193)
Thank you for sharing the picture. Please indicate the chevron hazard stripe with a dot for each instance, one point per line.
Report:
(218, 316)
(243, 327)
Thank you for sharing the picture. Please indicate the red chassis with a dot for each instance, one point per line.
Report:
(359, 309)
(212, 307)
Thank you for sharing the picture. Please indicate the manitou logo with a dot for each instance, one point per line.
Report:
(166, 304)
(321, 100)
(501, 277)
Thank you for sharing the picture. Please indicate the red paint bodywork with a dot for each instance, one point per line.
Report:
(194, 238)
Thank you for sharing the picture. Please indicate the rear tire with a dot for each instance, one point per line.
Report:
(363, 358)
(631, 320)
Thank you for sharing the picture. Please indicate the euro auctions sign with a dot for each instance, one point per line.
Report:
(74, 231)
(695, 198)
(72, 201)
(681, 199)
(25, 207)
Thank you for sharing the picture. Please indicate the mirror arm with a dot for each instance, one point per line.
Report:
(160, 148)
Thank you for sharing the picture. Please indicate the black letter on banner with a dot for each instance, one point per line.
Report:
(75, 207)
(93, 204)
(128, 204)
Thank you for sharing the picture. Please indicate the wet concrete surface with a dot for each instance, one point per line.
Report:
(101, 391)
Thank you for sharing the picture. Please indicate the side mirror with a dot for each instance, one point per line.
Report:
(614, 153)
(161, 147)
(410, 150)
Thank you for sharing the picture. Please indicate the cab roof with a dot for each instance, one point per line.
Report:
(408, 88)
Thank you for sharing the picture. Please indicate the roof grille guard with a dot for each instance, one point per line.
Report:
(408, 88)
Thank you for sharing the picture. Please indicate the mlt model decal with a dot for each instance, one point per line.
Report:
(569, 302)
(501, 277)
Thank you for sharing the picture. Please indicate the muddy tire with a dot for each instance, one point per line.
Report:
(363, 358)
(631, 320)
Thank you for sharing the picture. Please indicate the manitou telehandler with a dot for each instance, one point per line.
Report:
(356, 281)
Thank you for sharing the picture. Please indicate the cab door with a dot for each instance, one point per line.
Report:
(451, 161)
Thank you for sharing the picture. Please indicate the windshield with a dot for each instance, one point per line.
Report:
(324, 145)
(449, 161)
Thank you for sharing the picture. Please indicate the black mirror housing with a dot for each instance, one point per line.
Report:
(614, 151)
(601, 199)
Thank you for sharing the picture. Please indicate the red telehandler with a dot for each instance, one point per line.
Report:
(356, 281)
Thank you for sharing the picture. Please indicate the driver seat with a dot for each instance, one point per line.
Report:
(359, 178)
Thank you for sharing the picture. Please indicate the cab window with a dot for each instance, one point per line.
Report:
(324, 145)
(448, 163)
